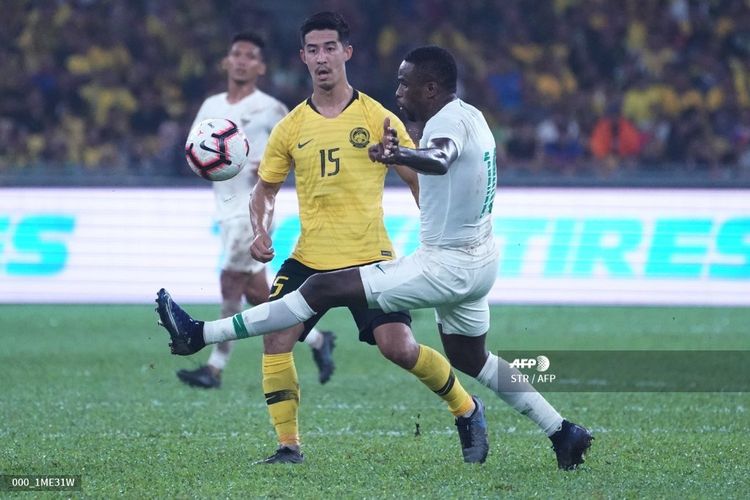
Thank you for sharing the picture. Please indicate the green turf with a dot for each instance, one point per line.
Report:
(91, 391)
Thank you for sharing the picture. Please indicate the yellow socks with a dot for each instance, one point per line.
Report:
(435, 372)
(281, 388)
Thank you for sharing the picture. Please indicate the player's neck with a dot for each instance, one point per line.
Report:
(439, 104)
(330, 103)
(238, 91)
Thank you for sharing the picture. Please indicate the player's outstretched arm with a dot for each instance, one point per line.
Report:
(262, 203)
(432, 160)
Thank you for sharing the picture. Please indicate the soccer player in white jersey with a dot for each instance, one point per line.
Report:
(453, 269)
(242, 276)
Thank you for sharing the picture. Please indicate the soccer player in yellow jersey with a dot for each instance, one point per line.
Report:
(340, 193)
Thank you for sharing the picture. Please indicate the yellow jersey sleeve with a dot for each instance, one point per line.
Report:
(277, 158)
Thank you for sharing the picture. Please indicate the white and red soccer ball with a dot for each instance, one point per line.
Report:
(216, 149)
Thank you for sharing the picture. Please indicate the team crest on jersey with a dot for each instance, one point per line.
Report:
(359, 137)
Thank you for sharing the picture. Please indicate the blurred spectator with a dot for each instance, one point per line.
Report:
(505, 82)
(615, 140)
(522, 147)
(560, 145)
(655, 133)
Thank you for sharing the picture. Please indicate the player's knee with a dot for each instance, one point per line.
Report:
(280, 342)
(401, 350)
(400, 358)
(273, 345)
(335, 288)
(320, 291)
(318, 284)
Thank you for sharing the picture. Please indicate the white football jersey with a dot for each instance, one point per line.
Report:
(256, 115)
(456, 208)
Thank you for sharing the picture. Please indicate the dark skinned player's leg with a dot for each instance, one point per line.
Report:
(396, 342)
(319, 293)
(469, 355)
(334, 289)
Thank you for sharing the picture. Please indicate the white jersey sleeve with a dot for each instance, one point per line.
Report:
(256, 115)
(455, 208)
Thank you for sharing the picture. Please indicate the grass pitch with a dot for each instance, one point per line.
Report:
(91, 391)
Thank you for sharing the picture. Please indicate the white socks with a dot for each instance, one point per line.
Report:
(519, 395)
(219, 358)
(314, 339)
(259, 320)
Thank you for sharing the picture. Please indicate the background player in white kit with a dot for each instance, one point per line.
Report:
(453, 269)
(256, 113)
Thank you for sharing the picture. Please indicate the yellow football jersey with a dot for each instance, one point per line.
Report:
(340, 190)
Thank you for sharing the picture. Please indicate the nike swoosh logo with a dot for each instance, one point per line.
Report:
(379, 268)
(206, 148)
(301, 145)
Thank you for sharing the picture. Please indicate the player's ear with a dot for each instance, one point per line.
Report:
(302, 55)
(225, 64)
(262, 68)
(431, 88)
(348, 50)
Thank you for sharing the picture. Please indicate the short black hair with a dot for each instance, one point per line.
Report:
(249, 36)
(433, 63)
(325, 20)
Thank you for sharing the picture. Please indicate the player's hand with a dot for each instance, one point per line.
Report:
(386, 150)
(261, 248)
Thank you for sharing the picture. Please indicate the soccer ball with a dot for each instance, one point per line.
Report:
(216, 149)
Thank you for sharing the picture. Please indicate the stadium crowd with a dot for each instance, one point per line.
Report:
(572, 87)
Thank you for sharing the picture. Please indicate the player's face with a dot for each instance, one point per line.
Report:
(410, 93)
(325, 57)
(244, 63)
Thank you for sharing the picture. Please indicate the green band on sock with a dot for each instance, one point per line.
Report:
(239, 326)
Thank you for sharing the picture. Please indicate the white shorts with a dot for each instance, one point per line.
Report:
(236, 237)
(454, 282)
